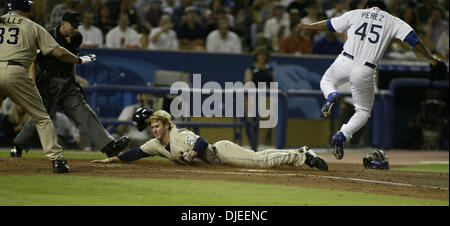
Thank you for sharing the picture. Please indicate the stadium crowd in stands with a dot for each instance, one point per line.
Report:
(217, 25)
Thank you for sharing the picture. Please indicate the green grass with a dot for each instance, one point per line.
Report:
(429, 168)
(80, 190)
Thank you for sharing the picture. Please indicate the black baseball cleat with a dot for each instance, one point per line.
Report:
(116, 146)
(60, 166)
(313, 160)
(16, 151)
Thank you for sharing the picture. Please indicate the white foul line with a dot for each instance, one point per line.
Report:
(307, 175)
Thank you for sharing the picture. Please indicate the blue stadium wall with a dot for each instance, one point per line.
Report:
(136, 67)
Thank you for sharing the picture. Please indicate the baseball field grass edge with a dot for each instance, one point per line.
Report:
(64, 190)
(426, 168)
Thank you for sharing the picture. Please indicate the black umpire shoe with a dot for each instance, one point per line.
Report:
(60, 166)
(313, 160)
(116, 146)
(16, 151)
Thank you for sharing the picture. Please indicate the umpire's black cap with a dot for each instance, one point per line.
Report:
(74, 18)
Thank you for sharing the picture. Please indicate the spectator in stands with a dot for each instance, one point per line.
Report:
(313, 16)
(94, 7)
(136, 138)
(92, 35)
(105, 22)
(218, 11)
(179, 12)
(13, 123)
(260, 71)
(214, 5)
(294, 16)
(254, 23)
(68, 134)
(59, 10)
(212, 20)
(153, 15)
(436, 25)
(338, 10)
(397, 7)
(295, 43)
(277, 27)
(163, 37)
(328, 45)
(300, 5)
(442, 45)
(410, 17)
(229, 5)
(191, 34)
(78, 6)
(222, 40)
(122, 36)
(169, 7)
(424, 10)
(313, 13)
(126, 6)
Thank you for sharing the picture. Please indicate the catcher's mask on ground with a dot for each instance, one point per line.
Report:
(376, 160)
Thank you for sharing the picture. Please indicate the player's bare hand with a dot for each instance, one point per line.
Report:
(189, 156)
(108, 160)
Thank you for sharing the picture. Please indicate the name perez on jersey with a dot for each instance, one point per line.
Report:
(6, 20)
(373, 16)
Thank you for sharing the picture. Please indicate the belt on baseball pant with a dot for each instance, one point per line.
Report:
(214, 148)
(366, 63)
(212, 157)
(13, 62)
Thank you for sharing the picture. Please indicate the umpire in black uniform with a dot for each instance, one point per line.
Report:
(57, 85)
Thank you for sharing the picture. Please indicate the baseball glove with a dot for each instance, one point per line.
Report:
(438, 72)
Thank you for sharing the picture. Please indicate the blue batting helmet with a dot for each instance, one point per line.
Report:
(140, 116)
(23, 5)
(376, 160)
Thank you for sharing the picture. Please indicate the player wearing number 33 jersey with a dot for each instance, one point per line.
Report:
(20, 38)
(369, 33)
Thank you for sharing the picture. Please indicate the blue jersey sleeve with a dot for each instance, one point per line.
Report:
(132, 155)
(412, 39)
(330, 26)
(200, 146)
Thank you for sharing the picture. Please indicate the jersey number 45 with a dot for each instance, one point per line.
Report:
(361, 31)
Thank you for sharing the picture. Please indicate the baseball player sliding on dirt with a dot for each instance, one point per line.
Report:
(183, 146)
(369, 33)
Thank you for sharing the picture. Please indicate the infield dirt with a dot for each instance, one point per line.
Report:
(345, 175)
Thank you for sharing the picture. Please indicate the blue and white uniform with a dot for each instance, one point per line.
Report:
(369, 33)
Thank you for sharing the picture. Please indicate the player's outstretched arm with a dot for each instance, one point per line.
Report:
(317, 26)
(420, 47)
(64, 55)
(127, 156)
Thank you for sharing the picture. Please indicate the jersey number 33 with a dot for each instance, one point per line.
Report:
(11, 36)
